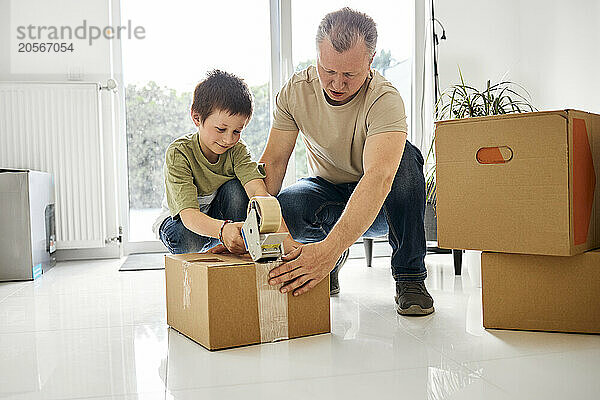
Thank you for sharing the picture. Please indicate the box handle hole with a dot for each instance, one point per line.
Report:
(494, 155)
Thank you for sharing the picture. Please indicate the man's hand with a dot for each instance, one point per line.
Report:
(232, 238)
(290, 244)
(304, 268)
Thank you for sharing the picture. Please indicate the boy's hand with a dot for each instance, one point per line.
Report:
(218, 249)
(232, 238)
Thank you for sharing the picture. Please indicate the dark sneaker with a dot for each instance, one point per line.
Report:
(334, 284)
(412, 298)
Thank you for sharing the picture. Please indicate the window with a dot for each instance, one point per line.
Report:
(184, 40)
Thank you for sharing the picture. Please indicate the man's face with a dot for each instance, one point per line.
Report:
(342, 74)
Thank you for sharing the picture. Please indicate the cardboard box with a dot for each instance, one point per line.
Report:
(519, 183)
(541, 293)
(217, 301)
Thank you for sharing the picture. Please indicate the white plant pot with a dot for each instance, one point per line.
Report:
(472, 259)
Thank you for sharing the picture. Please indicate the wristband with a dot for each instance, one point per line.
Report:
(227, 221)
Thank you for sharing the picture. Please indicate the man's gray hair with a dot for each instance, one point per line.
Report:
(344, 28)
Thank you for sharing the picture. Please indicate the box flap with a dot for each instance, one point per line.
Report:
(562, 113)
(211, 260)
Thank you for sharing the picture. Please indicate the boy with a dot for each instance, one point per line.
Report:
(209, 174)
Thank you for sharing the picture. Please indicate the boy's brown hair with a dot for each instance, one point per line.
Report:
(222, 91)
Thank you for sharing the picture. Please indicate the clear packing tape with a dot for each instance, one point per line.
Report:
(272, 305)
(187, 285)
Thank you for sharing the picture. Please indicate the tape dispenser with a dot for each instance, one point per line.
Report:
(260, 229)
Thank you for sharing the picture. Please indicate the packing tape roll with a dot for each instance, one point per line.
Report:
(268, 211)
(272, 305)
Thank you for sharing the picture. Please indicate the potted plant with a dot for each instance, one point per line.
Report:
(465, 101)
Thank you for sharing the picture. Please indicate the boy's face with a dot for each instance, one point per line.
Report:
(219, 132)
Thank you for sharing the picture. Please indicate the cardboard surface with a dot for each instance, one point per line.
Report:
(212, 299)
(543, 293)
(519, 183)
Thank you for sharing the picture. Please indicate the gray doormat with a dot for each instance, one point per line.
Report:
(141, 262)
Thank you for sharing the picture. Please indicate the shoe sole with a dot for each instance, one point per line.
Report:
(414, 310)
(334, 292)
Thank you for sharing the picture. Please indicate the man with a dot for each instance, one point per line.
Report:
(366, 177)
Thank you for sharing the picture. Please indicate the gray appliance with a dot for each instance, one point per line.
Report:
(27, 224)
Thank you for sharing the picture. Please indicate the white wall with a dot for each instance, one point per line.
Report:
(96, 62)
(93, 61)
(551, 47)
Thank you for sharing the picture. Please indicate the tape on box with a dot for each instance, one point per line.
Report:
(272, 305)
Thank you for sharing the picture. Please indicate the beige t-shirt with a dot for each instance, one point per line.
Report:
(335, 135)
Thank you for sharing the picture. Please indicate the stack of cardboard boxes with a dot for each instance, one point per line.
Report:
(522, 188)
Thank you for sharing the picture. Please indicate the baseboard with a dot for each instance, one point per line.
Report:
(88, 254)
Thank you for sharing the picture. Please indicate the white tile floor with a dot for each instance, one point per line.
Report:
(86, 330)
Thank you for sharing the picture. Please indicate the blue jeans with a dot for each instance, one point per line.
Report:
(312, 206)
(230, 202)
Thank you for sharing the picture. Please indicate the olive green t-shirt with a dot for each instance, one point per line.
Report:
(189, 176)
(335, 135)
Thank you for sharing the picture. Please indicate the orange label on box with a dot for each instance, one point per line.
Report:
(584, 182)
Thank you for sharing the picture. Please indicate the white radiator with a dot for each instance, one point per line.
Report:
(56, 127)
